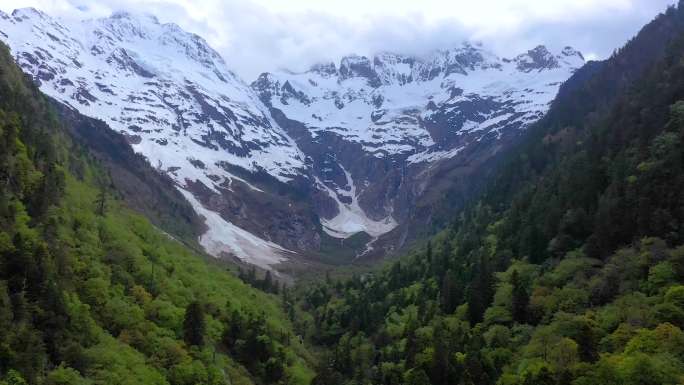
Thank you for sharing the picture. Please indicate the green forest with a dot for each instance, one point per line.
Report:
(568, 268)
(92, 293)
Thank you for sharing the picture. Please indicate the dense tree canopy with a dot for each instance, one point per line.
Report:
(568, 269)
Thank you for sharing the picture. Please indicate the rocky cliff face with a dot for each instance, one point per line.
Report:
(294, 161)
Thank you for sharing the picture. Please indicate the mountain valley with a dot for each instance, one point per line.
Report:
(454, 218)
(293, 163)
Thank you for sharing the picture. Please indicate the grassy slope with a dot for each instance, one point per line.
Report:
(179, 275)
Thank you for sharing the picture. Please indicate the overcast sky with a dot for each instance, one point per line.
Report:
(262, 35)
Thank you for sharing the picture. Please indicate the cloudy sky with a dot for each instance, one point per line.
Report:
(263, 35)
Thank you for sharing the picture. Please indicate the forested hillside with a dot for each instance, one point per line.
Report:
(92, 293)
(569, 269)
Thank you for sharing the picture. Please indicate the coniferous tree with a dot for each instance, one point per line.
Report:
(268, 282)
(193, 324)
(520, 299)
(251, 276)
(101, 200)
(480, 292)
(429, 260)
(450, 293)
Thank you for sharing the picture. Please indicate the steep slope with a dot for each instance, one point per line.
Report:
(569, 270)
(142, 187)
(169, 93)
(91, 293)
(297, 163)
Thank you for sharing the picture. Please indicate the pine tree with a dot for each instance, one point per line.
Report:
(268, 282)
(411, 340)
(450, 293)
(480, 292)
(193, 325)
(520, 300)
(251, 276)
(101, 201)
(440, 359)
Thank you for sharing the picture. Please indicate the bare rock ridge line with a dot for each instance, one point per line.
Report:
(281, 166)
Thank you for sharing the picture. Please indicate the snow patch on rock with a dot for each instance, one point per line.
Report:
(433, 156)
(351, 218)
(224, 237)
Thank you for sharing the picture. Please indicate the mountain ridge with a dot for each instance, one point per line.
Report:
(268, 175)
(453, 109)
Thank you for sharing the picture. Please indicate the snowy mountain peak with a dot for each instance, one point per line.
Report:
(324, 69)
(127, 15)
(387, 68)
(125, 27)
(570, 52)
(355, 66)
(469, 58)
(25, 13)
(293, 158)
(168, 92)
(540, 58)
(393, 103)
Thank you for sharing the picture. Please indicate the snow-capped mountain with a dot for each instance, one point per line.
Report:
(278, 167)
(395, 104)
(169, 93)
(376, 128)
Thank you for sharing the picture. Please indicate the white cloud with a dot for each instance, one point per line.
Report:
(262, 35)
